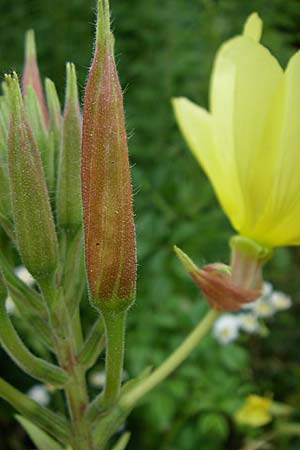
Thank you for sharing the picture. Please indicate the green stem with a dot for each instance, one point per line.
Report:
(67, 339)
(52, 423)
(114, 323)
(29, 363)
(171, 363)
(122, 442)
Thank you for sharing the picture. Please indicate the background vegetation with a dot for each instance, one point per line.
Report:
(164, 49)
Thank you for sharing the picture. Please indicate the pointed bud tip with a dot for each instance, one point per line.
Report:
(103, 21)
(185, 260)
(30, 47)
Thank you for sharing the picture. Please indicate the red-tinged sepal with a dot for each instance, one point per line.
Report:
(215, 282)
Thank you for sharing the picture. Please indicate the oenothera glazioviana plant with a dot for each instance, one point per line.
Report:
(66, 207)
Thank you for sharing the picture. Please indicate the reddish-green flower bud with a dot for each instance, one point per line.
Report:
(68, 200)
(31, 75)
(106, 187)
(34, 224)
(216, 284)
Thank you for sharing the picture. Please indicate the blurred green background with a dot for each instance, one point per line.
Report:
(164, 49)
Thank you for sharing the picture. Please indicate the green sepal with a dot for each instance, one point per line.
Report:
(35, 231)
(38, 436)
(68, 199)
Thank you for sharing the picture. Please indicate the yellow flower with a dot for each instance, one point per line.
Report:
(255, 412)
(249, 142)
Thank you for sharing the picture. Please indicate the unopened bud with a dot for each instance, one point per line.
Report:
(34, 224)
(31, 75)
(68, 201)
(106, 187)
(216, 284)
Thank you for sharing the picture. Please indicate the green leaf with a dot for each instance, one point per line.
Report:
(38, 437)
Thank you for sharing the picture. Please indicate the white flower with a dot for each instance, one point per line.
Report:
(226, 328)
(263, 307)
(267, 289)
(97, 379)
(10, 305)
(40, 394)
(280, 301)
(24, 275)
(248, 322)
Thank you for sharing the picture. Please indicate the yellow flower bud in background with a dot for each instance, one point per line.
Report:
(249, 142)
(255, 411)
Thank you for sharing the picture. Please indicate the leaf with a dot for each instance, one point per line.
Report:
(122, 442)
(38, 437)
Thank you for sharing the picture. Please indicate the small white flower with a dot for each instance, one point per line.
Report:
(248, 322)
(226, 328)
(267, 289)
(266, 292)
(263, 307)
(10, 305)
(24, 275)
(40, 394)
(97, 379)
(280, 301)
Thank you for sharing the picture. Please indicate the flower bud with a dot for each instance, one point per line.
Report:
(106, 187)
(55, 127)
(31, 75)
(216, 284)
(34, 224)
(68, 201)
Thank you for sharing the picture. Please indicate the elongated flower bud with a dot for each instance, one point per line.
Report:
(106, 187)
(55, 126)
(216, 284)
(30, 203)
(31, 75)
(68, 201)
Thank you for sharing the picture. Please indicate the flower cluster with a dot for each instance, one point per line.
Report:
(250, 319)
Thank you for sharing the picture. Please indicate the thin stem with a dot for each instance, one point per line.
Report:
(114, 324)
(171, 363)
(114, 335)
(52, 423)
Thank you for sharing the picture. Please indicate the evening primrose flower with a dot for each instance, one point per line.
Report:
(249, 142)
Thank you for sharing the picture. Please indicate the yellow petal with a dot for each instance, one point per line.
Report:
(196, 126)
(244, 82)
(282, 214)
(253, 27)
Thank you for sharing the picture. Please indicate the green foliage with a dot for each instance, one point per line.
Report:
(166, 49)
